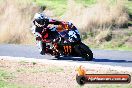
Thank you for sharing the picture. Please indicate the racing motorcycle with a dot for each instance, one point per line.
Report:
(58, 44)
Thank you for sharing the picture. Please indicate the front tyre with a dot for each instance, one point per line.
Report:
(84, 51)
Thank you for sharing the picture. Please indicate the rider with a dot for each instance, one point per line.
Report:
(40, 22)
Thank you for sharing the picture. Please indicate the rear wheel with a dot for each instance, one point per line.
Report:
(84, 51)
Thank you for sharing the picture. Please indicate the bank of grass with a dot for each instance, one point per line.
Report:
(5, 76)
(57, 6)
(86, 2)
(33, 68)
(83, 13)
(128, 4)
(110, 46)
(39, 70)
(119, 39)
(15, 21)
(4, 84)
(45, 75)
(24, 67)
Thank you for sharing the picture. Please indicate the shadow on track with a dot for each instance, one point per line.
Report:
(94, 59)
(111, 60)
(70, 58)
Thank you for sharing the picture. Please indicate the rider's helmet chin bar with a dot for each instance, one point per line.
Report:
(39, 25)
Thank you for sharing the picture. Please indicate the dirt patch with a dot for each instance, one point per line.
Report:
(49, 75)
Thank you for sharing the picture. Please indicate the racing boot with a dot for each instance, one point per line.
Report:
(42, 52)
(41, 47)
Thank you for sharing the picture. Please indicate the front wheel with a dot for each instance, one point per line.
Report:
(84, 51)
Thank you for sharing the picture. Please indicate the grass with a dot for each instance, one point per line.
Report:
(128, 4)
(23, 62)
(37, 70)
(53, 69)
(4, 83)
(34, 63)
(87, 2)
(57, 6)
(4, 76)
(18, 29)
(33, 68)
(46, 78)
(110, 46)
(9, 85)
(81, 12)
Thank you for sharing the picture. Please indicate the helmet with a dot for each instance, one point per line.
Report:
(39, 19)
(70, 25)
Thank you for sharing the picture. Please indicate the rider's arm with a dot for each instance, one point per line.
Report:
(34, 31)
(55, 22)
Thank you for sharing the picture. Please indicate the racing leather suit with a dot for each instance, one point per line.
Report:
(37, 31)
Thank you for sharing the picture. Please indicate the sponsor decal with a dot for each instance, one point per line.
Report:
(82, 77)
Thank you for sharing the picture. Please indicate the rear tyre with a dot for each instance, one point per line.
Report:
(84, 51)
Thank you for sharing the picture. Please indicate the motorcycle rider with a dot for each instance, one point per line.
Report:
(41, 22)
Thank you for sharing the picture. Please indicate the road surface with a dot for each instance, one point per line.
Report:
(107, 57)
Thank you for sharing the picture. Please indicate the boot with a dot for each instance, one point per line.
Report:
(42, 52)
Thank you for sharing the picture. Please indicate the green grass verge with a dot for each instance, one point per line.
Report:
(128, 4)
(109, 46)
(86, 2)
(3, 80)
(36, 69)
(4, 84)
(57, 6)
(4, 76)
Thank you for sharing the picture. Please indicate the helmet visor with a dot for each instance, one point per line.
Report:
(40, 22)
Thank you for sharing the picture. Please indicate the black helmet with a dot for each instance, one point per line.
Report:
(39, 19)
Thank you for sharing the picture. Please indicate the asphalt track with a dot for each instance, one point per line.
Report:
(107, 57)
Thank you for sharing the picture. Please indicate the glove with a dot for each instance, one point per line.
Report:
(38, 38)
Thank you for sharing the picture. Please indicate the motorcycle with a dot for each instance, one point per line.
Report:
(58, 43)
